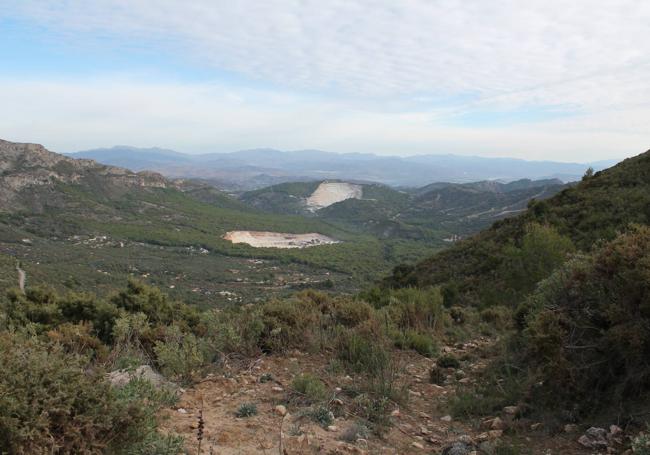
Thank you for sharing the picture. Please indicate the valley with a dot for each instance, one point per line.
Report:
(90, 226)
(328, 316)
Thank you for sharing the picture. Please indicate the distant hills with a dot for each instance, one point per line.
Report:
(455, 208)
(251, 169)
(59, 214)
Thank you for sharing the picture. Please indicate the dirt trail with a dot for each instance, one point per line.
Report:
(420, 426)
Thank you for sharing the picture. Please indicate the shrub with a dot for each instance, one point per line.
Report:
(355, 431)
(419, 342)
(291, 323)
(78, 339)
(586, 332)
(351, 313)
(246, 410)
(361, 353)
(448, 361)
(180, 356)
(140, 298)
(45, 309)
(641, 444)
(321, 415)
(49, 403)
(418, 309)
(499, 316)
(309, 387)
(235, 330)
(373, 409)
(437, 376)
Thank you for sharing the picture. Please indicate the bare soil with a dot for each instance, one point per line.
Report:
(418, 426)
(263, 239)
(329, 193)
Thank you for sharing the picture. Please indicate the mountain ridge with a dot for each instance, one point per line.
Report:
(254, 168)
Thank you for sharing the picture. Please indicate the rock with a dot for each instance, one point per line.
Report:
(281, 410)
(417, 445)
(536, 426)
(594, 438)
(414, 393)
(362, 442)
(495, 434)
(511, 410)
(497, 424)
(458, 448)
(466, 439)
(395, 413)
(615, 430)
(277, 389)
(570, 428)
(424, 430)
(332, 428)
(120, 378)
(446, 418)
(182, 410)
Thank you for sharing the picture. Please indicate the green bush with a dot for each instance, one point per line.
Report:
(417, 309)
(500, 317)
(373, 409)
(309, 387)
(290, 323)
(362, 353)
(49, 402)
(180, 355)
(351, 313)
(448, 361)
(641, 444)
(419, 342)
(235, 330)
(246, 410)
(587, 331)
(321, 415)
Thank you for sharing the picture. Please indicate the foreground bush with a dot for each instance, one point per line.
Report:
(584, 335)
(50, 404)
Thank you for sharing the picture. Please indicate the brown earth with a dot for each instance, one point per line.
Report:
(417, 426)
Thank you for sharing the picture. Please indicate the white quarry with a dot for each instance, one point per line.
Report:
(263, 239)
(329, 193)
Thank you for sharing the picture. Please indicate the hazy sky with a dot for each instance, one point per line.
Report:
(548, 79)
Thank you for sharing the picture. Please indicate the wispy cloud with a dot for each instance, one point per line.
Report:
(400, 72)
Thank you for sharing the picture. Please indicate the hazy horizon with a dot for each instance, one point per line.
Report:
(540, 81)
(303, 150)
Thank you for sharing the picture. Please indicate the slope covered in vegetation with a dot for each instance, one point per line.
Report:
(504, 263)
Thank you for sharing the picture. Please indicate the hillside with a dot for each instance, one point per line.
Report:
(88, 226)
(435, 211)
(487, 268)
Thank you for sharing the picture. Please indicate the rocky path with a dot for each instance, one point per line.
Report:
(421, 426)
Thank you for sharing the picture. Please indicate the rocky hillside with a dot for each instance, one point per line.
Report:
(28, 170)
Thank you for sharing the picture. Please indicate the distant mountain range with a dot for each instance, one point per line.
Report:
(250, 169)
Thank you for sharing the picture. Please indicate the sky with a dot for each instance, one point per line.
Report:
(547, 79)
